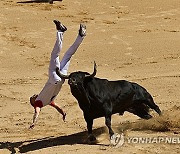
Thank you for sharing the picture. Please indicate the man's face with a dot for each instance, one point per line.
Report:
(32, 99)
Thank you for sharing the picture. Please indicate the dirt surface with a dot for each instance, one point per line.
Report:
(129, 39)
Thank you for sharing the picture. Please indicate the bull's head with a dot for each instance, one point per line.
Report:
(76, 78)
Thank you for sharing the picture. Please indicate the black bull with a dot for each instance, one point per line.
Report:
(102, 98)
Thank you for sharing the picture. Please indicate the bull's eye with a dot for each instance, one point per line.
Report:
(73, 80)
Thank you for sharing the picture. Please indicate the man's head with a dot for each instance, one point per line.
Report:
(32, 99)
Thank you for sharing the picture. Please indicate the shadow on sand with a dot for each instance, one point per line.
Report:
(36, 144)
(37, 1)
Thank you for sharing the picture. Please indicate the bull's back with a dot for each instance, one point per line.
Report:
(102, 90)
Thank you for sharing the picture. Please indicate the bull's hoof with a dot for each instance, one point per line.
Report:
(50, 1)
(148, 116)
(117, 140)
(91, 139)
(158, 110)
(121, 113)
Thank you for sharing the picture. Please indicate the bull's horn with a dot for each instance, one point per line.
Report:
(95, 71)
(62, 76)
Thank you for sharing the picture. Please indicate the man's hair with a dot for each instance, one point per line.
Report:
(32, 99)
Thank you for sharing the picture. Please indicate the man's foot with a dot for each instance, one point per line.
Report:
(60, 26)
(82, 30)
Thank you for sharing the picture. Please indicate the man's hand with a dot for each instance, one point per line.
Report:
(64, 117)
(32, 126)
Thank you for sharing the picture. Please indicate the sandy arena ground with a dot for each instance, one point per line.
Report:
(129, 39)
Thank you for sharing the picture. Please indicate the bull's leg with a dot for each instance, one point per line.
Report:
(108, 124)
(91, 137)
(140, 109)
(143, 114)
(113, 136)
(108, 112)
(89, 122)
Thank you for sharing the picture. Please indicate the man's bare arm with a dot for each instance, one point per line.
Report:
(35, 117)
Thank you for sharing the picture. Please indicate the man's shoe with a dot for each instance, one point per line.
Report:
(59, 26)
(82, 30)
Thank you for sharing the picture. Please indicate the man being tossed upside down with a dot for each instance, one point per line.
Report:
(54, 83)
